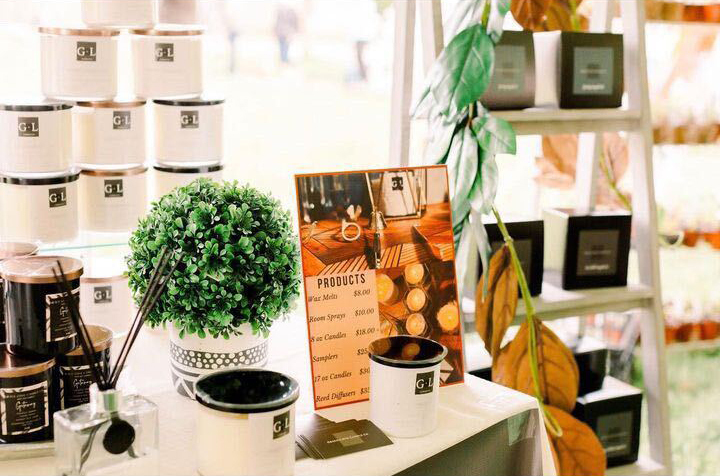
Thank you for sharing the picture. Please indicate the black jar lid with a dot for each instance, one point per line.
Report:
(13, 366)
(33, 104)
(41, 179)
(39, 269)
(100, 336)
(407, 351)
(190, 102)
(246, 391)
(200, 169)
(13, 249)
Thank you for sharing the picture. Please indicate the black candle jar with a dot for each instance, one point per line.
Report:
(74, 377)
(38, 321)
(11, 250)
(26, 398)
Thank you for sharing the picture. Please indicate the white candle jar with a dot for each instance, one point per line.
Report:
(107, 301)
(167, 61)
(79, 63)
(404, 384)
(35, 137)
(188, 131)
(112, 200)
(168, 178)
(109, 133)
(246, 423)
(119, 13)
(41, 209)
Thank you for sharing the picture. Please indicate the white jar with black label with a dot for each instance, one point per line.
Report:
(167, 61)
(119, 13)
(167, 178)
(246, 432)
(43, 208)
(35, 136)
(112, 200)
(404, 384)
(78, 63)
(188, 131)
(106, 300)
(109, 133)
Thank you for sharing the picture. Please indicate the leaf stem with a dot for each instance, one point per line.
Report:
(550, 422)
(485, 18)
(574, 17)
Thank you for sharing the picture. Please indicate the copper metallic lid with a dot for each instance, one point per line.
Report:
(114, 172)
(100, 336)
(113, 103)
(32, 104)
(170, 29)
(78, 31)
(9, 249)
(13, 366)
(103, 280)
(39, 269)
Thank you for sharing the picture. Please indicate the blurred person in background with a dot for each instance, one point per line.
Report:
(286, 26)
(231, 15)
(363, 29)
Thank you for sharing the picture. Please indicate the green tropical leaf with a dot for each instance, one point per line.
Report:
(441, 133)
(462, 72)
(466, 12)
(498, 10)
(482, 194)
(494, 135)
(462, 168)
(482, 241)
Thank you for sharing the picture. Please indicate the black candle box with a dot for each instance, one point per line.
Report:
(586, 249)
(591, 356)
(512, 84)
(614, 415)
(527, 236)
(578, 69)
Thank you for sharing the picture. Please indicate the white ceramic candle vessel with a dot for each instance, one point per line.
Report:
(188, 131)
(109, 133)
(168, 178)
(34, 136)
(112, 200)
(41, 209)
(119, 13)
(246, 423)
(78, 63)
(404, 384)
(107, 300)
(167, 61)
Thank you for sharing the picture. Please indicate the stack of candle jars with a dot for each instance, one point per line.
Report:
(41, 368)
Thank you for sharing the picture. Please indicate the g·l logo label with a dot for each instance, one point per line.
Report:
(121, 119)
(102, 294)
(86, 51)
(189, 119)
(281, 425)
(28, 127)
(57, 197)
(424, 382)
(113, 188)
(164, 52)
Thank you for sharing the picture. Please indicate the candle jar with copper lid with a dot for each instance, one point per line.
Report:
(74, 374)
(26, 398)
(11, 250)
(112, 200)
(38, 322)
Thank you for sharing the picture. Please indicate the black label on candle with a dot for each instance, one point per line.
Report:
(113, 188)
(57, 197)
(75, 384)
(86, 51)
(281, 425)
(58, 324)
(102, 294)
(24, 409)
(615, 432)
(593, 70)
(28, 127)
(189, 120)
(597, 252)
(121, 120)
(509, 73)
(164, 52)
(424, 382)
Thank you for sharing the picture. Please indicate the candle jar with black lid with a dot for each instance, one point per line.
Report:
(11, 250)
(38, 321)
(26, 398)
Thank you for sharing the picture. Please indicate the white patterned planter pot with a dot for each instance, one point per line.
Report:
(192, 357)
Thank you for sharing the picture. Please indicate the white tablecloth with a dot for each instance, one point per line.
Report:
(465, 410)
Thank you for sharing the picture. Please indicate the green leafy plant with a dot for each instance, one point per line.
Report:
(240, 261)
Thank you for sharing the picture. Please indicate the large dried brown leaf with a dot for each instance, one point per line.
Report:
(504, 368)
(530, 14)
(579, 452)
(495, 312)
(558, 17)
(558, 374)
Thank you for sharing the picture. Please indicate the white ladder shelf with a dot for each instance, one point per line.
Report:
(634, 119)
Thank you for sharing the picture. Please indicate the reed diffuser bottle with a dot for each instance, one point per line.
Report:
(114, 433)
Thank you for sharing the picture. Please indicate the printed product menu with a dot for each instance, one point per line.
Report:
(378, 260)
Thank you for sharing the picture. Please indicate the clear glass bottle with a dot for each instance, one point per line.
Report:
(113, 434)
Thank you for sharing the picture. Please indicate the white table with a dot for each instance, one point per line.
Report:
(465, 410)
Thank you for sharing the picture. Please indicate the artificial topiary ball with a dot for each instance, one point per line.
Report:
(240, 264)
